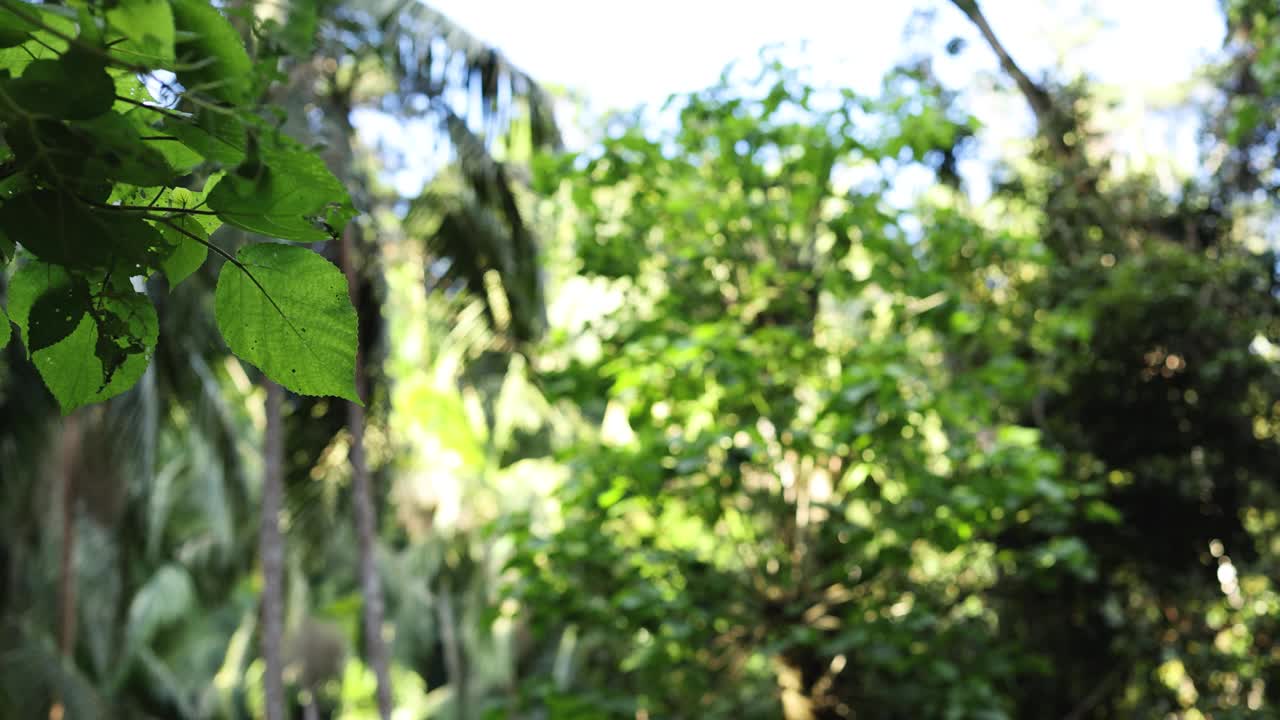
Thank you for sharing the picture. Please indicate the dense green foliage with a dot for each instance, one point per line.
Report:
(817, 479)
(1014, 460)
(95, 175)
(749, 408)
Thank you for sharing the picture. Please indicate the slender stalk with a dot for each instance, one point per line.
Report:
(155, 108)
(69, 461)
(366, 521)
(152, 209)
(454, 664)
(67, 579)
(239, 266)
(271, 548)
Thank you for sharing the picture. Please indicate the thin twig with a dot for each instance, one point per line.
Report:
(239, 265)
(150, 208)
(163, 111)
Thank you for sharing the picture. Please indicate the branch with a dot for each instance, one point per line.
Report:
(154, 108)
(1039, 100)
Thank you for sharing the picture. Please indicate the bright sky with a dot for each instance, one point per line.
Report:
(622, 54)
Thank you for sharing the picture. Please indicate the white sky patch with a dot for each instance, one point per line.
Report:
(624, 54)
(620, 55)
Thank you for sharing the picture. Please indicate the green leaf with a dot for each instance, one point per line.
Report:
(56, 154)
(40, 44)
(289, 194)
(13, 37)
(188, 255)
(299, 33)
(14, 185)
(5, 330)
(7, 248)
(59, 229)
(25, 288)
(293, 29)
(292, 318)
(123, 155)
(56, 314)
(211, 59)
(166, 598)
(176, 198)
(179, 156)
(146, 27)
(218, 137)
(76, 86)
(1099, 511)
(184, 232)
(130, 87)
(82, 157)
(109, 347)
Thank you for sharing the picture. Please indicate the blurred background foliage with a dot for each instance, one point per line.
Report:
(703, 419)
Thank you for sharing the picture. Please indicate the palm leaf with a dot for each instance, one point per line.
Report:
(443, 72)
(471, 217)
(433, 58)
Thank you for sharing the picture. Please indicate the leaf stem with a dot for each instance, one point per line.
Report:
(163, 111)
(231, 259)
(149, 208)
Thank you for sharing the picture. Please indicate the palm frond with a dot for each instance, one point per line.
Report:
(441, 71)
(164, 599)
(432, 57)
(471, 217)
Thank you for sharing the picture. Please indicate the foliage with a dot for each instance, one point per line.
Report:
(290, 308)
(941, 461)
(96, 171)
(808, 484)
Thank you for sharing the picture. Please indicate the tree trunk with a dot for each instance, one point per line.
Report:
(271, 548)
(68, 461)
(453, 660)
(70, 452)
(806, 686)
(362, 503)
